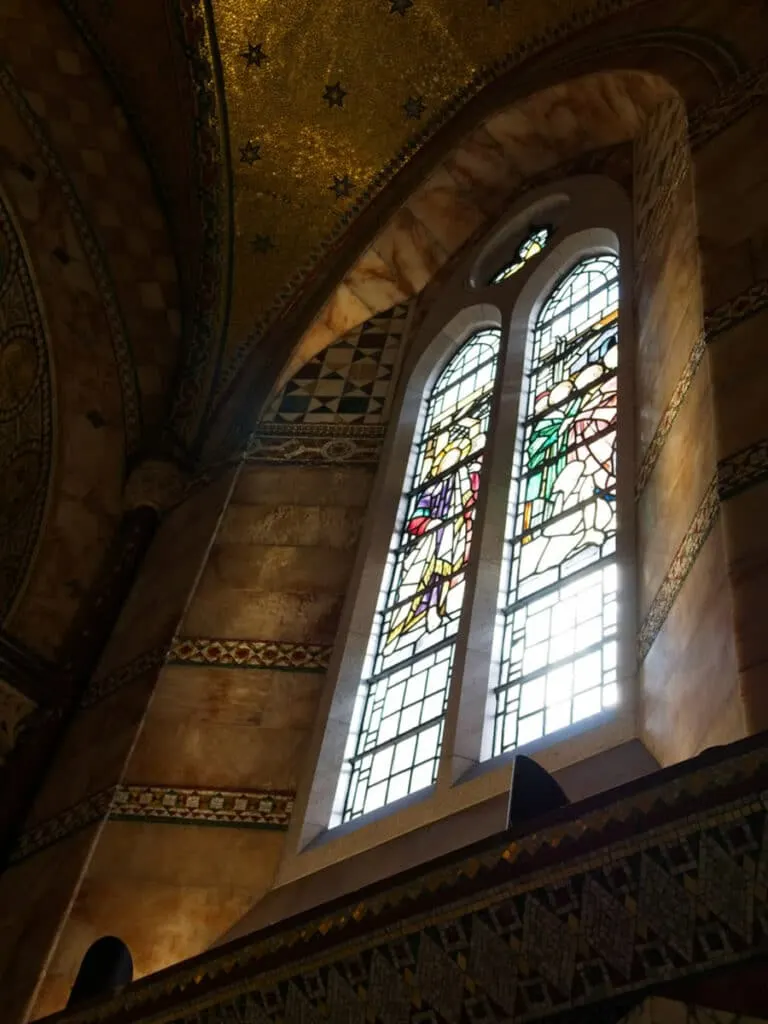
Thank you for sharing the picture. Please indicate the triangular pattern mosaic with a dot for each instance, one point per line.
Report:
(350, 381)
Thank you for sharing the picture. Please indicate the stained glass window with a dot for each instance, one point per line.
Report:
(531, 246)
(559, 641)
(394, 744)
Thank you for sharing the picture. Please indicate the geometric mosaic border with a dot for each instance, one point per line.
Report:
(194, 806)
(250, 654)
(89, 811)
(104, 686)
(316, 444)
(722, 318)
(683, 386)
(181, 805)
(741, 307)
(744, 93)
(681, 565)
(742, 470)
(660, 881)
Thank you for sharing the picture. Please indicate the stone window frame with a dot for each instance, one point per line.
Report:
(589, 214)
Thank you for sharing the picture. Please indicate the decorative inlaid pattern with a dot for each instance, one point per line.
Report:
(659, 438)
(101, 687)
(26, 430)
(686, 555)
(666, 883)
(743, 470)
(267, 654)
(185, 805)
(662, 160)
(89, 811)
(743, 306)
(316, 444)
(348, 382)
(749, 303)
(736, 100)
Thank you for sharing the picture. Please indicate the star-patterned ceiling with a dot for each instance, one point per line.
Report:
(303, 114)
(322, 96)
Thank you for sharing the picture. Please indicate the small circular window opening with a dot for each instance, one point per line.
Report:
(535, 242)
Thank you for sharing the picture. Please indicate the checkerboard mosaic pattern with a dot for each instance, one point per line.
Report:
(659, 883)
(350, 381)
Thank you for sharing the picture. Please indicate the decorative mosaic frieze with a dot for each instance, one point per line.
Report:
(743, 306)
(316, 444)
(743, 470)
(89, 811)
(185, 805)
(350, 381)
(104, 686)
(682, 563)
(679, 395)
(264, 654)
(743, 94)
(666, 883)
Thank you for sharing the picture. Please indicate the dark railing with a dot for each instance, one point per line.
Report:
(593, 905)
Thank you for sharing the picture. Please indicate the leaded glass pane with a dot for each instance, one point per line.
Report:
(395, 748)
(559, 645)
(528, 248)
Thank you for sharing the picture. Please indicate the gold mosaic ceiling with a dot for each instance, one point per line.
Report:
(321, 96)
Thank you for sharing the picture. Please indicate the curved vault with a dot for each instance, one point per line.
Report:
(472, 186)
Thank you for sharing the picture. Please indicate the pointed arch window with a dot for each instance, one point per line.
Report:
(394, 744)
(534, 243)
(559, 645)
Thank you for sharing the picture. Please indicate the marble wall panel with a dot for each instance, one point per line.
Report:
(675, 488)
(298, 617)
(740, 384)
(95, 749)
(158, 598)
(371, 281)
(689, 677)
(669, 312)
(34, 898)
(449, 214)
(227, 727)
(407, 246)
(301, 485)
(732, 198)
(176, 889)
(276, 568)
(332, 526)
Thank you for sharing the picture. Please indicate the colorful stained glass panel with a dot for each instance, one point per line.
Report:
(531, 246)
(560, 617)
(409, 660)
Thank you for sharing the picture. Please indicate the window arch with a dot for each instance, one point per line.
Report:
(590, 224)
(395, 740)
(559, 608)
